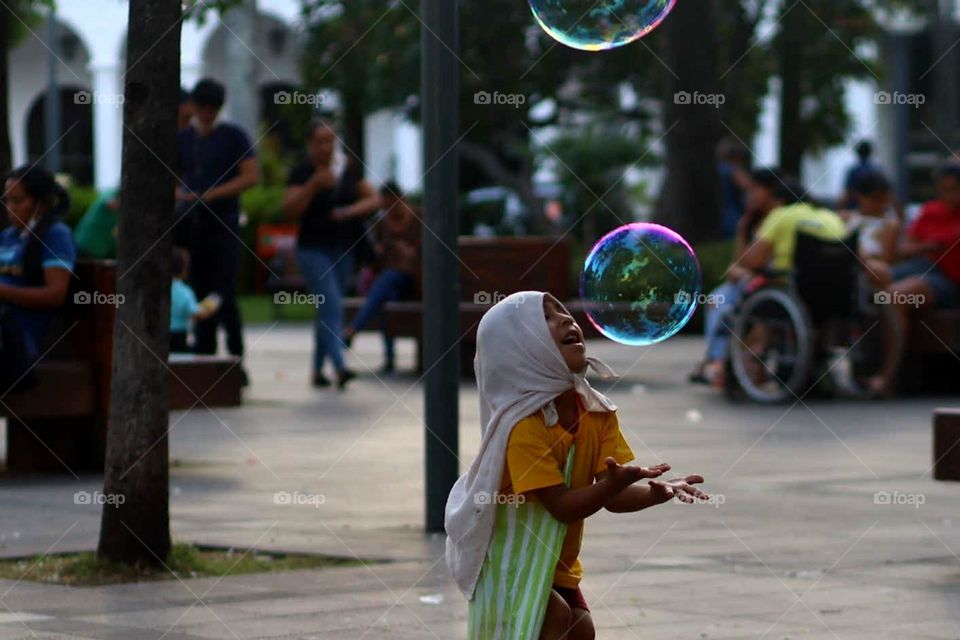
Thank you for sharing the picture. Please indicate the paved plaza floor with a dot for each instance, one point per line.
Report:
(826, 523)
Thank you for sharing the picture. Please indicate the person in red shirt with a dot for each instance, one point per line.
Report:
(929, 276)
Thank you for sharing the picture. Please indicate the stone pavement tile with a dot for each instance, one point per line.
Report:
(56, 628)
(698, 630)
(636, 617)
(306, 624)
(171, 618)
(859, 595)
(940, 629)
(941, 571)
(58, 600)
(10, 633)
(709, 589)
(707, 602)
(392, 632)
(341, 603)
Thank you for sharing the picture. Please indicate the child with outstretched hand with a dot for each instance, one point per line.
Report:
(551, 455)
(184, 307)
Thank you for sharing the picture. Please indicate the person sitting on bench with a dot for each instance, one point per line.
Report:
(929, 276)
(397, 243)
(37, 256)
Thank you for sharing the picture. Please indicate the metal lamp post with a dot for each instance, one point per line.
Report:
(439, 93)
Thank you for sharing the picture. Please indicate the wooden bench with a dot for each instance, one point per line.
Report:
(936, 332)
(490, 269)
(932, 361)
(946, 444)
(59, 424)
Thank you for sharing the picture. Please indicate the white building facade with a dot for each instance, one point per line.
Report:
(91, 43)
(91, 46)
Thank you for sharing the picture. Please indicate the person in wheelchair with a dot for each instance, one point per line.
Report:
(810, 303)
(774, 250)
(766, 191)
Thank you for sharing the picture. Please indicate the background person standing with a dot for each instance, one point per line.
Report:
(217, 163)
(328, 198)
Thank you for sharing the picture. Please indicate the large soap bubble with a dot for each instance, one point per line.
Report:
(640, 284)
(597, 25)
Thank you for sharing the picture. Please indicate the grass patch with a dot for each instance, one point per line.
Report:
(260, 309)
(185, 561)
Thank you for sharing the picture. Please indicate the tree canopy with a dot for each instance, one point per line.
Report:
(368, 53)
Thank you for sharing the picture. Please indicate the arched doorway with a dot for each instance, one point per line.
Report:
(76, 145)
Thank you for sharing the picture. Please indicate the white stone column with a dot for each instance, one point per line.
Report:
(189, 74)
(107, 124)
(243, 99)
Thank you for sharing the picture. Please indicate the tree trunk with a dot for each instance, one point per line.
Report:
(690, 198)
(354, 122)
(791, 91)
(137, 465)
(6, 38)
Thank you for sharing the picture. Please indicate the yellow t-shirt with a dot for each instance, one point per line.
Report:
(536, 455)
(780, 228)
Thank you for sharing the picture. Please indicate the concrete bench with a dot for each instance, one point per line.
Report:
(946, 444)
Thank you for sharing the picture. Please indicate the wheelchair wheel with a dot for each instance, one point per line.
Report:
(771, 354)
(860, 349)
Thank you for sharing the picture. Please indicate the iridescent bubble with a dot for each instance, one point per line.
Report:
(640, 284)
(598, 25)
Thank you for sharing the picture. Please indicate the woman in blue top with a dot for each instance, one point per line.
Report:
(37, 256)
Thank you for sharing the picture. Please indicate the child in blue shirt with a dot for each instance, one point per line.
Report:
(184, 306)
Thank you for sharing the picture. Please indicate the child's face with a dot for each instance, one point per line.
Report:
(566, 334)
(949, 189)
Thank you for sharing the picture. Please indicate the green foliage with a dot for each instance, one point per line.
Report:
(260, 309)
(715, 258)
(743, 69)
(29, 14)
(590, 162)
(80, 200)
(200, 10)
(262, 203)
(274, 162)
(831, 35)
(367, 49)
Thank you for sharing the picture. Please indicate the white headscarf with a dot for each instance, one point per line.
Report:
(519, 371)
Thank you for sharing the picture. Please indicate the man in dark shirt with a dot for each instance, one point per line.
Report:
(217, 163)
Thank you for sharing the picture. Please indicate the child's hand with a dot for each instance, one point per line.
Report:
(625, 476)
(680, 488)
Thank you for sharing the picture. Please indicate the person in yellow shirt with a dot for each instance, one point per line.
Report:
(776, 239)
(570, 460)
(536, 453)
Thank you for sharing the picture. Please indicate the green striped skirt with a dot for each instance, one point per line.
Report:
(510, 599)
